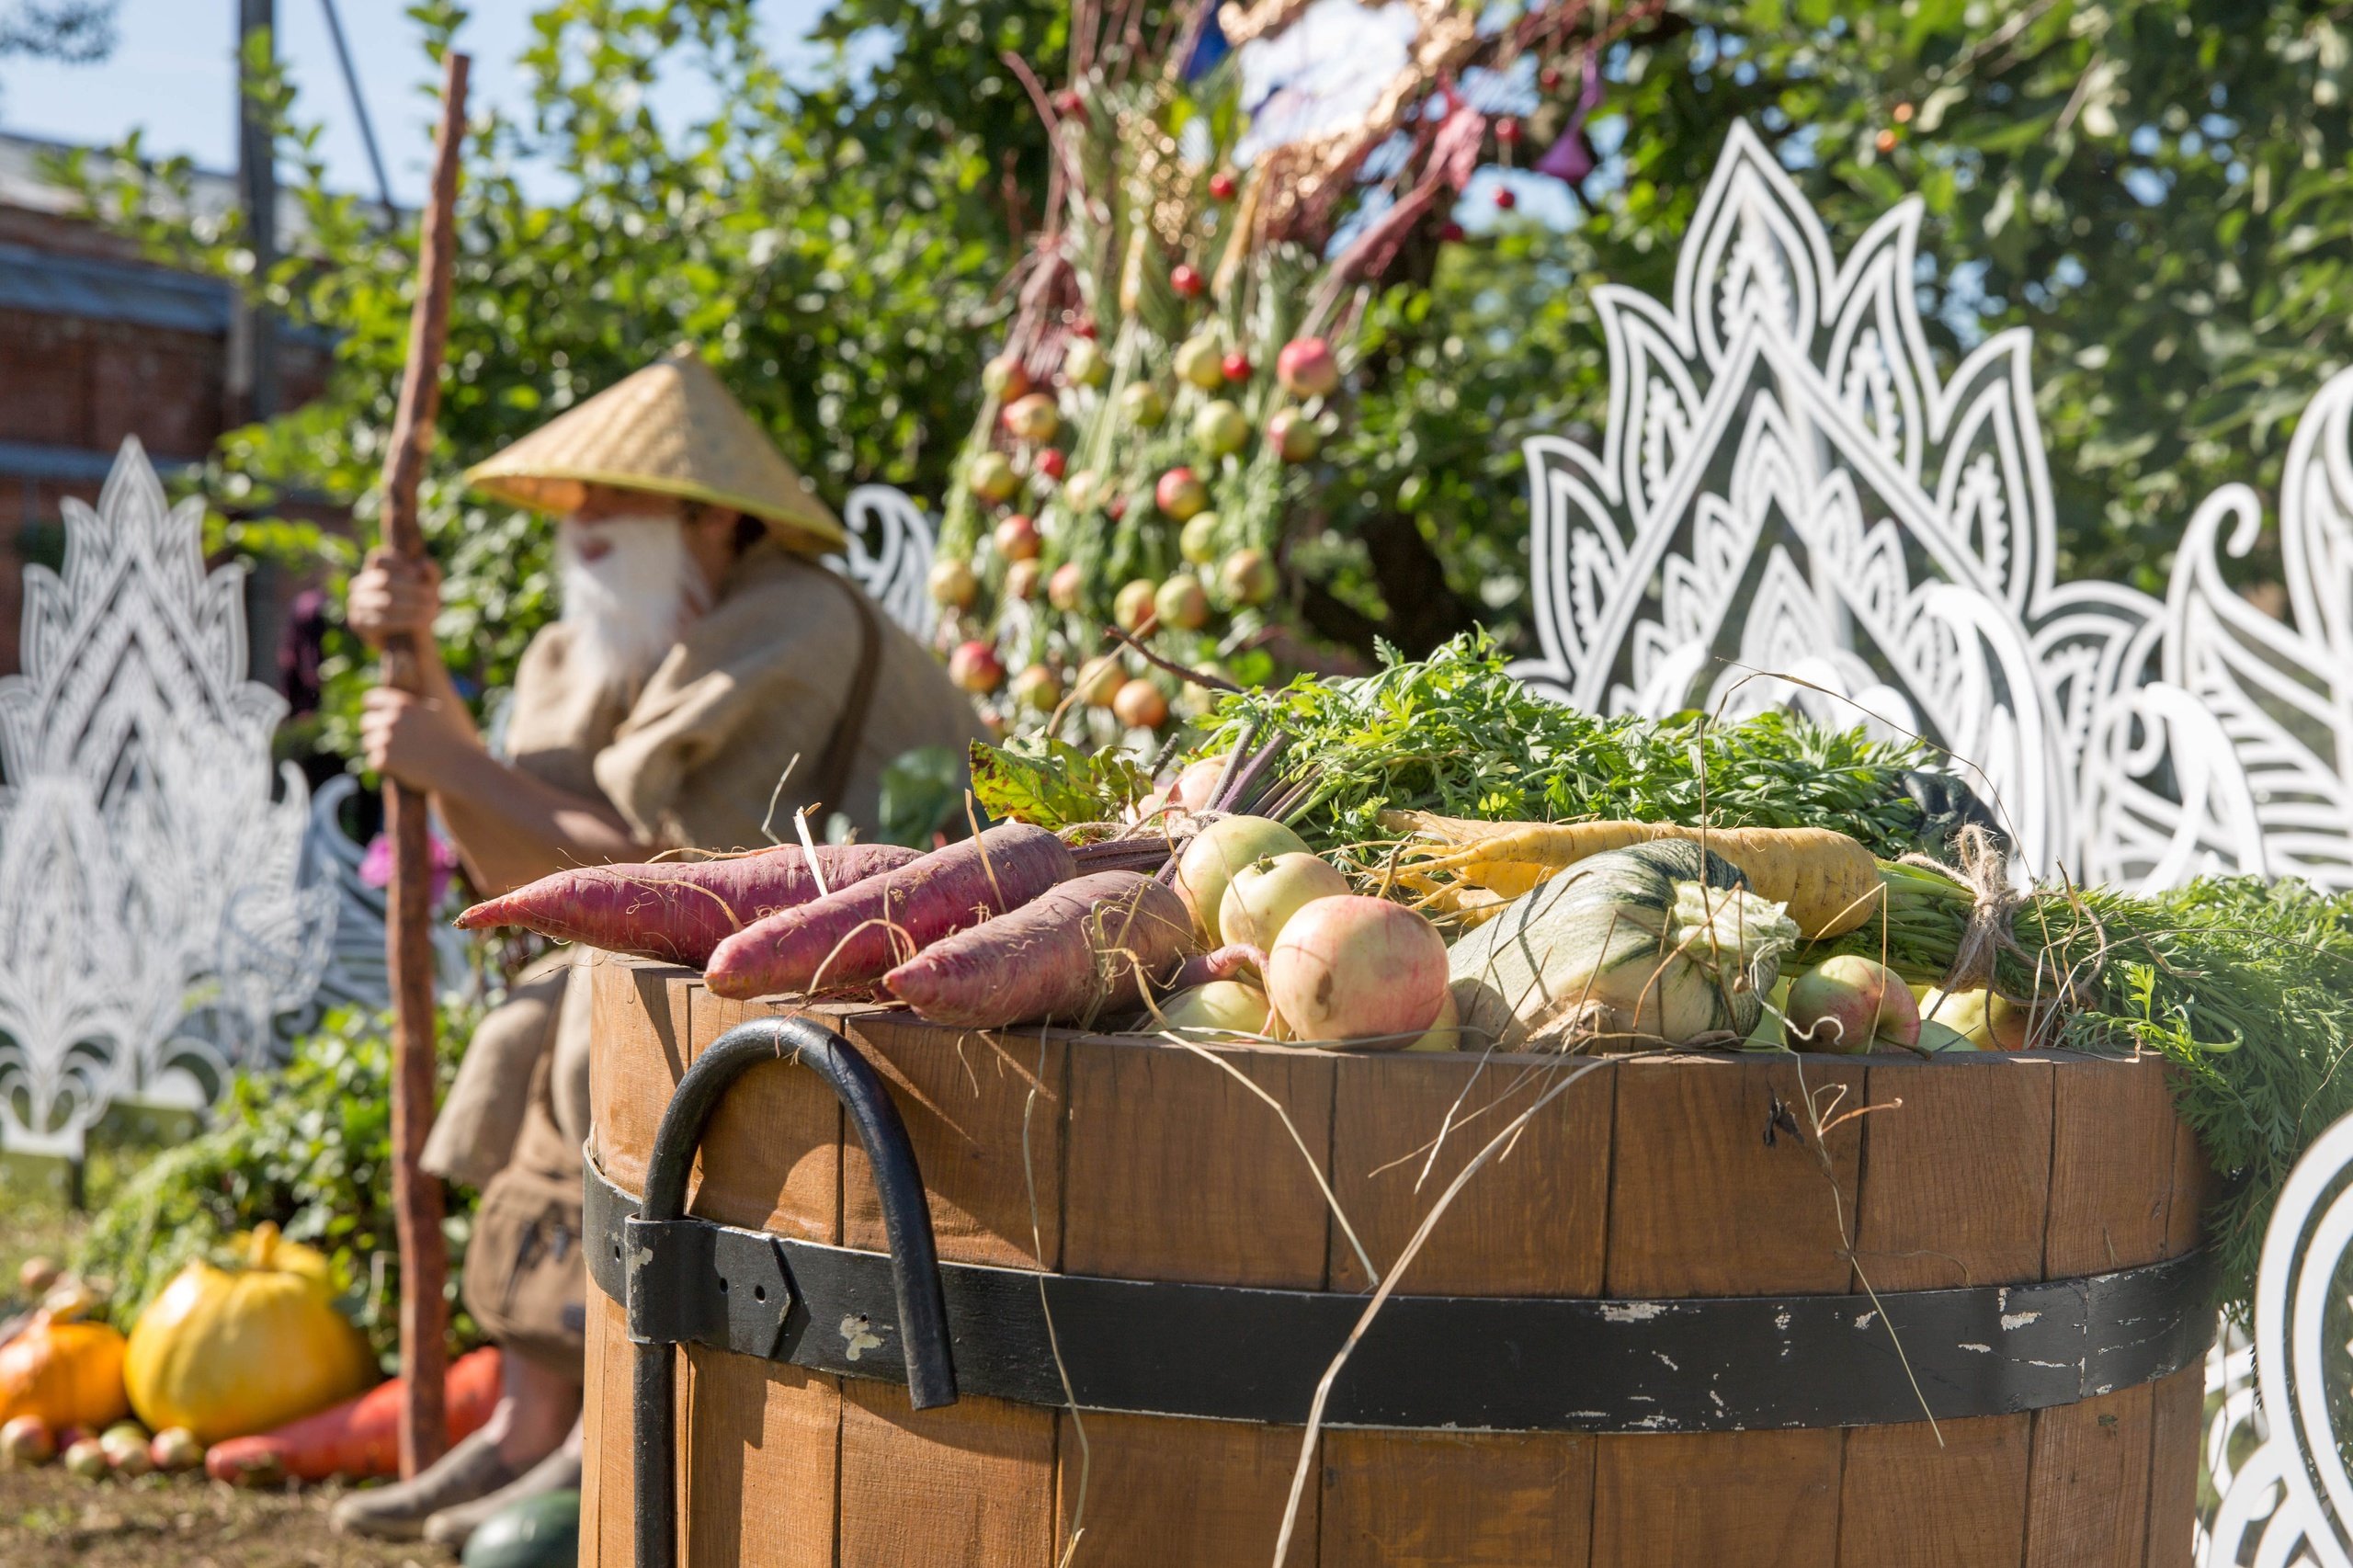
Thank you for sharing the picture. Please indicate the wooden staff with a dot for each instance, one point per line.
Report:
(408, 938)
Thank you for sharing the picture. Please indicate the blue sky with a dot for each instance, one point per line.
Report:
(174, 76)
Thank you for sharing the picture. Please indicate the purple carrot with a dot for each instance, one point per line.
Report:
(860, 933)
(1086, 947)
(679, 911)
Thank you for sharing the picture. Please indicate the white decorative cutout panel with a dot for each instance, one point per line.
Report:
(1786, 485)
(890, 556)
(155, 916)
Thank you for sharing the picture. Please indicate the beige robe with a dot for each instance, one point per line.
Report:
(693, 761)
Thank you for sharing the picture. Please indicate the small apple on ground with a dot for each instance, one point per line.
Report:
(1133, 605)
(1140, 706)
(176, 1450)
(1307, 368)
(87, 1460)
(976, 667)
(1848, 1004)
(1067, 587)
(27, 1441)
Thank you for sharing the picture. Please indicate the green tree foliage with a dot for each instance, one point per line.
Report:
(2156, 190)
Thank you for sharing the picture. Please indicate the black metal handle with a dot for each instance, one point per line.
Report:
(906, 1220)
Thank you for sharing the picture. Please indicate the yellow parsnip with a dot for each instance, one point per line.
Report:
(1829, 881)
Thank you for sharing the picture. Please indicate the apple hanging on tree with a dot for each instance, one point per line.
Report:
(1307, 368)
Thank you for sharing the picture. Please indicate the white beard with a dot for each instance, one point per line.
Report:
(626, 607)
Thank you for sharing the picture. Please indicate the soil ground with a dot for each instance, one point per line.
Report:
(52, 1519)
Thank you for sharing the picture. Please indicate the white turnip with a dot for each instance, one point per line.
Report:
(1218, 851)
(1358, 970)
(1264, 894)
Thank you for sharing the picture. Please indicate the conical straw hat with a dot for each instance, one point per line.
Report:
(671, 429)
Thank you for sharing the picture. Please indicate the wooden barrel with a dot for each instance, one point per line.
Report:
(1644, 1181)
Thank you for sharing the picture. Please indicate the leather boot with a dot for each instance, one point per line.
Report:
(398, 1512)
(453, 1527)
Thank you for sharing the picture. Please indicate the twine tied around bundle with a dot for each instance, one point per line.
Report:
(1983, 869)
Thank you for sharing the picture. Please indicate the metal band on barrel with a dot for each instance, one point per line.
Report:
(1461, 1362)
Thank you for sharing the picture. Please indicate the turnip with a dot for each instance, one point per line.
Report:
(1016, 538)
(1249, 577)
(1132, 606)
(1201, 362)
(1140, 706)
(27, 1441)
(88, 1460)
(1349, 969)
(1180, 494)
(1850, 1004)
(1221, 428)
(952, 582)
(1218, 851)
(1264, 896)
(976, 667)
(1295, 436)
(1066, 589)
(1307, 368)
(176, 1450)
(1180, 603)
(1221, 1007)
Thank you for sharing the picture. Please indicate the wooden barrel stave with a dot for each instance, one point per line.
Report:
(2108, 1481)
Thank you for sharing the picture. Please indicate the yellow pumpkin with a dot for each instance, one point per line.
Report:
(68, 1373)
(227, 1353)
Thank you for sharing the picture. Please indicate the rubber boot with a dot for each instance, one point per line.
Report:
(560, 1471)
(398, 1512)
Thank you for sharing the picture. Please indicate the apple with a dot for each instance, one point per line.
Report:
(1021, 579)
(1187, 281)
(1192, 788)
(87, 1460)
(1197, 543)
(1295, 436)
(1134, 604)
(1037, 687)
(1180, 494)
(952, 584)
(1222, 185)
(1990, 1020)
(1249, 577)
(1140, 706)
(1049, 464)
(1307, 368)
(1201, 362)
(176, 1450)
(1003, 379)
(992, 477)
(27, 1441)
(1099, 680)
(1083, 363)
(1848, 1004)
(1066, 589)
(1221, 428)
(125, 1446)
(1032, 418)
(1142, 403)
(1236, 365)
(976, 667)
(1016, 538)
(1079, 494)
(1266, 893)
(1181, 604)
(1446, 1033)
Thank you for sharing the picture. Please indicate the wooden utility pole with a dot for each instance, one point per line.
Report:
(408, 938)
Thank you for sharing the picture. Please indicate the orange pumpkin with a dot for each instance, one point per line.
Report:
(229, 1352)
(66, 1372)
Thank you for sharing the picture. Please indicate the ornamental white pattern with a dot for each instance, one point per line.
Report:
(1790, 506)
(890, 556)
(155, 916)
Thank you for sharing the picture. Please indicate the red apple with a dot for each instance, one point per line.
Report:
(1115, 507)
(1179, 493)
(1236, 365)
(1050, 462)
(1140, 706)
(976, 667)
(1850, 1004)
(1249, 577)
(1187, 282)
(1016, 538)
(1066, 587)
(1003, 378)
(1033, 417)
(1181, 604)
(1222, 185)
(1295, 435)
(1307, 368)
